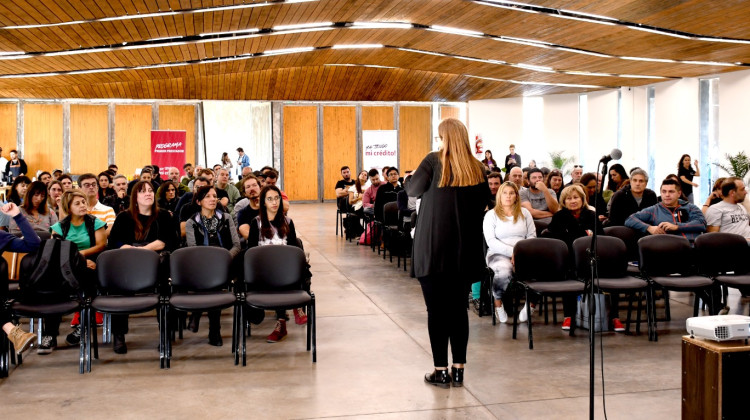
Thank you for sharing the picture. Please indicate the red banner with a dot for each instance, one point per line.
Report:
(168, 150)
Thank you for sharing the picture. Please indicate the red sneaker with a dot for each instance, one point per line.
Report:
(566, 324)
(99, 319)
(299, 316)
(76, 319)
(618, 325)
(278, 333)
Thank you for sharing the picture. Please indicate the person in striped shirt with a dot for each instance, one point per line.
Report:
(90, 187)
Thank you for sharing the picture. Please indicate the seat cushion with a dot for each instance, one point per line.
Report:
(623, 283)
(734, 281)
(282, 300)
(565, 286)
(682, 282)
(34, 310)
(125, 304)
(202, 301)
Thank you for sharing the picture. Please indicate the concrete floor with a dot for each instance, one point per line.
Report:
(373, 351)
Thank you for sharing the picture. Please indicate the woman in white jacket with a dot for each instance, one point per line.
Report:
(503, 226)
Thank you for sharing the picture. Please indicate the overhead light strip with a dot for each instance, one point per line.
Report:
(524, 82)
(160, 14)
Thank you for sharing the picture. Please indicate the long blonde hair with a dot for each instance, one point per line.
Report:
(460, 169)
(516, 207)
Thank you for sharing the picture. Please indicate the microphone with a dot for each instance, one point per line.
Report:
(615, 154)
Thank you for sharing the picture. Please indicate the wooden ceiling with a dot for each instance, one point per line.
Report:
(206, 49)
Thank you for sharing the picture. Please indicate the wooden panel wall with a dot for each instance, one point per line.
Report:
(89, 138)
(8, 128)
(447, 111)
(414, 136)
(180, 117)
(132, 137)
(377, 118)
(301, 152)
(43, 137)
(339, 145)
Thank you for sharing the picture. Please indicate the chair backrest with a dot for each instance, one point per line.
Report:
(627, 235)
(199, 268)
(663, 255)
(390, 213)
(275, 267)
(721, 252)
(612, 261)
(540, 227)
(127, 271)
(541, 259)
(3, 279)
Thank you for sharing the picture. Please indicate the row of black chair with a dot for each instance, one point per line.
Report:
(276, 277)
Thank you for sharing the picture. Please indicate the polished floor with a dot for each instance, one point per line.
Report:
(373, 351)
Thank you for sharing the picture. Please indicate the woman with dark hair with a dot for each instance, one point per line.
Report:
(685, 174)
(54, 198)
(488, 160)
(272, 227)
(554, 182)
(448, 244)
(617, 179)
(105, 182)
(211, 227)
(141, 225)
(167, 197)
(356, 191)
(18, 189)
(590, 186)
(35, 210)
(226, 163)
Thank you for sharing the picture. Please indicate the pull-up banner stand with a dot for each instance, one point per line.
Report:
(168, 150)
(379, 148)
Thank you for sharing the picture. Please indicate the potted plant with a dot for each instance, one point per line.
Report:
(558, 160)
(738, 165)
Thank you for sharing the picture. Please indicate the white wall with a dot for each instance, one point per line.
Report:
(499, 122)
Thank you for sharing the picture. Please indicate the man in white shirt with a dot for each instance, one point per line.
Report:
(729, 215)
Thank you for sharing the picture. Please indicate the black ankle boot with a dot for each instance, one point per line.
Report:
(439, 378)
(458, 376)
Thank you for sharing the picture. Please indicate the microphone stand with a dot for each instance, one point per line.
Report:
(592, 254)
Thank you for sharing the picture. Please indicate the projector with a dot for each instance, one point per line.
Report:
(719, 327)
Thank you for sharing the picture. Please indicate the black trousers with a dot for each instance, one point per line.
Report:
(447, 316)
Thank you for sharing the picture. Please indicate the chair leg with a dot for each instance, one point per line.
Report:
(82, 344)
(314, 329)
(667, 311)
(638, 313)
(528, 321)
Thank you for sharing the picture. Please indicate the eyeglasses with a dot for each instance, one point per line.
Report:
(274, 199)
(88, 185)
(578, 166)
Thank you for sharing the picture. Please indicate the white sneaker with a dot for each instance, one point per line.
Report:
(501, 315)
(522, 316)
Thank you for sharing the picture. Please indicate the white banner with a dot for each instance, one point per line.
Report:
(379, 148)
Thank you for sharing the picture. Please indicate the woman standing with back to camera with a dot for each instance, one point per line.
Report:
(448, 253)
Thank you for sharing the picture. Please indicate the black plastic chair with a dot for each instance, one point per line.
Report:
(541, 267)
(612, 270)
(128, 284)
(342, 208)
(724, 257)
(396, 240)
(667, 262)
(277, 278)
(199, 274)
(5, 345)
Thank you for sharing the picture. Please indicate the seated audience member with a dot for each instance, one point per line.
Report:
(488, 161)
(120, 200)
(105, 185)
(494, 180)
(525, 172)
(56, 174)
(35, 210)
(174, 176)
(342, 185)
(66, 181)
(245, 172)
(272, 227)
(54, 198)
(156, 179)
(730, 215)
(368, 198)
(516, 176)
(554, 182)
(272, 176)
(538, 199)
(18, 190)
(113, 169)
(356, 193)
(573, 221)
(575, 175)
(194, 175)
(29, 242)
(715, 196)
(671, 216)
(167, 197)
(617, 179)
(211, 227)
(189, 176)
(247, 209)
(147, 174)
(186, 207)
(503, 227)
(90, 236)
(630, 198)
(222, 184)
(594, 196)
(387, 192)
(45, 177)
(90, 188)
(682, 197)
(143, 226)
